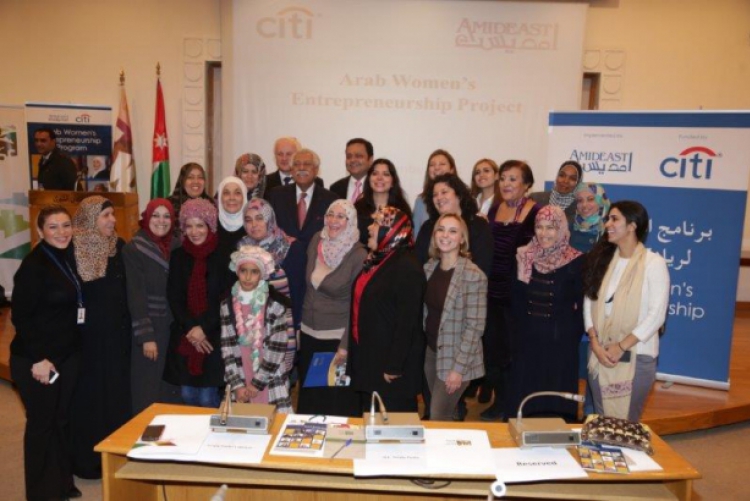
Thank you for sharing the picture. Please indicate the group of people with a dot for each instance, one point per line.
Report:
(483, 285)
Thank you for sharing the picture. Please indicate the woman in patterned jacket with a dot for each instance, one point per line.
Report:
(256, 322)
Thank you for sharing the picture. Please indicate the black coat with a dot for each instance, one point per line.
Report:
(273, 180)
(341, 186)
(391, 339)
(58, 172)
(217, 285)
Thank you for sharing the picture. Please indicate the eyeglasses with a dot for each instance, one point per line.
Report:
(340, 217)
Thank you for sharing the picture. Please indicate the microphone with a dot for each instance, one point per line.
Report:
(220, 494)
(544, 432)
(383, 411)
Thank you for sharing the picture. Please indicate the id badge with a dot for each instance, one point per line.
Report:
(81, 316)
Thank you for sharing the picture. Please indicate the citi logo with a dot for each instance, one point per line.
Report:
(292, 22)
(694, 162)
(83, 118)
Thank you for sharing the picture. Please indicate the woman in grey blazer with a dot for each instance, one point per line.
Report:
(455, 310)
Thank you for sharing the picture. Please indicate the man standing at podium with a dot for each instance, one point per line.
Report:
(56, 170)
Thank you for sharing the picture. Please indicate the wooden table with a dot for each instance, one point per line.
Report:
(280, 478)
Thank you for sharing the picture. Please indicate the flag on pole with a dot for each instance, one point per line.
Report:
(160, 157)
(122, 174)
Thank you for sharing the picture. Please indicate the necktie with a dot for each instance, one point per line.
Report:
(301, 209)
(357, 191)
(287, 180)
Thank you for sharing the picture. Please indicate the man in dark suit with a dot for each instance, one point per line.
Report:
(283, 150)
(300, 208)
(56, 170)
(359, 153)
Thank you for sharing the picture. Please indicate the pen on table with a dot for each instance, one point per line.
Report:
(346, 444)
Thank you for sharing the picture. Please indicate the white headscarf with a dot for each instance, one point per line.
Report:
(232, 222)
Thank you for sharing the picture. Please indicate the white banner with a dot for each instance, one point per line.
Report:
(14, 188)
(475, 78)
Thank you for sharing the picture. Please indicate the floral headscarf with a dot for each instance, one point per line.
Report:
(595, 222)
(252, 158)
(333, 250)
(92, 249)
(546, 260)
(558, 199)
(198, 208)
(276, 241)
(394, 232)
(232, 222)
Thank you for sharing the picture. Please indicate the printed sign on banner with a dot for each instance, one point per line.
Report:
(690, 171)
(84, 133)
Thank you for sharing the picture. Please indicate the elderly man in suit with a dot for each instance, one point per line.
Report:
(283, 150)
(300, 208)
(56, 170)
(359, 156)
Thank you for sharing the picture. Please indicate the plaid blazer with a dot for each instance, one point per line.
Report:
(272, 372)
(459, 344)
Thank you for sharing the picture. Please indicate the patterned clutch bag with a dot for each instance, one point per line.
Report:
(617, 432)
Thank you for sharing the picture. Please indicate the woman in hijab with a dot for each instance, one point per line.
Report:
(626, 296)
(232, 196)
(547, 318)
(386, 343)
(592, 207)
(262, 231)
(561, 195)
(191, 184)
(252, 170)
(455, 309)
(197, 279)
(47, 296)
(146, 259)
(102, 402)
(255, 324)
(334, 259)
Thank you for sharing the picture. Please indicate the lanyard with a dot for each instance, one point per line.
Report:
(68, 274)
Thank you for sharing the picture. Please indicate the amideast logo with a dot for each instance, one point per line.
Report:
(489, 35)
(292, 22)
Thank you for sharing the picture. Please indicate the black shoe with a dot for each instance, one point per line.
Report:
(74, 492)
(492, 414)
(485, 394)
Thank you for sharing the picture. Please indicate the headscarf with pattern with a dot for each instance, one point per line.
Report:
(565, 200)
(252, 158)
(333, 250)
(276, 241)
(546, 260)
(394, 232)
(92, 249)
(595, 222)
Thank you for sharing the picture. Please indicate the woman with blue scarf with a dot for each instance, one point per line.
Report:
(592, 206)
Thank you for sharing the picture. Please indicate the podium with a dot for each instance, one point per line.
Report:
(125, 205)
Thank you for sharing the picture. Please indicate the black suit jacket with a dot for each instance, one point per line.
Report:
(58, 172)
(341, 186)
(273, 180)
(283, 199)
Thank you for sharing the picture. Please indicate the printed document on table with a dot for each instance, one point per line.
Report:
(639, 461)
(462, 452)
(513, 464)
(190, 439)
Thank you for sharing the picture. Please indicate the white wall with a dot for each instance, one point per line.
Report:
(72, 51)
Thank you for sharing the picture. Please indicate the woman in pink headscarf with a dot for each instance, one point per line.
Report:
(547, 318)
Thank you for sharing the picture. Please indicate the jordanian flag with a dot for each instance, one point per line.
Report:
(122, 174)
(160, 156)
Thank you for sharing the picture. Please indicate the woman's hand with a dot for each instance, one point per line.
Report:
(41, 371)
(601, 355)
(252, 392)
(150, 350)
(614, 352)
(389, 378)
(198, 339)
(453, 382)
(241, 394)
(340, 357)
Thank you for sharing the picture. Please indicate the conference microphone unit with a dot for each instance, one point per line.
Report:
(254, 419)
(544, 432)
(402, 427)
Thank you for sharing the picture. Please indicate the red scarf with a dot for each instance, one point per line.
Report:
(197, 296)
(164, 243)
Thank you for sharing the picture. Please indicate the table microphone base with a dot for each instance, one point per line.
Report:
(543, 432)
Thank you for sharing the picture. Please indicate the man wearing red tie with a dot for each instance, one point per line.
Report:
(300, 208)
(359, 155)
